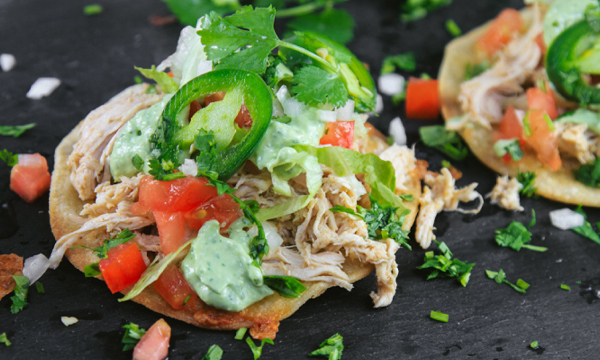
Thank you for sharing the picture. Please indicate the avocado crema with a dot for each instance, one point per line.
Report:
(220, 269)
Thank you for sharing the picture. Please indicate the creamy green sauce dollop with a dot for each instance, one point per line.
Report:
(220, 269)
(562, 14)
(135, 140)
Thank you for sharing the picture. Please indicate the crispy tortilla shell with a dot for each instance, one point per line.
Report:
(262, 317)
(560, 185)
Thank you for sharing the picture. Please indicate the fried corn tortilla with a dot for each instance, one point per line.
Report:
(560, 185)
(262, 317)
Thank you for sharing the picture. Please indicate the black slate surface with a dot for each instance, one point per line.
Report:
(94, 58)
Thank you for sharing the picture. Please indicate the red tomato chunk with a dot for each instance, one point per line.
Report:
(123, 267)
(422, 99)
(339, 133)
(174, 288)
(175, 195)
(154, 345)
(30, 178)
(501, 31)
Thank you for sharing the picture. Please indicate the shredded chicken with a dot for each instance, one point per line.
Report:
(482, 97)
(404, 161)
(108, 196)
(441, 194)
(90, 153)
(506, 193)
(576, 141)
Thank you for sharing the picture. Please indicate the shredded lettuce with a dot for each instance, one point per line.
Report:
(166, 83)
(189, 60)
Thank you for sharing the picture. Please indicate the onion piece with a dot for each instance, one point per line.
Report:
(273, 238)
(346, 112)
(69, 320)
(391, 84)
(379, 104)
(327, 116)
(189, 167)
(566, 219)
(43, 86)
(35, 267)
(30, 160)
(7, 62)
(397, 131)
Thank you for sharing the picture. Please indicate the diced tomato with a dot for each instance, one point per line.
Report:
(171, 230)
(223, 209)
(539, 41)
(194, 107)
(170, 73)
(243, 118)
(218, 96)
(501, 31)
(540, 100)
(339, 133)
(510, 126)
(175, 289)
(507, 158)
(422, 99)
(154, 345)
(30, 177)
(175, 195)
(543, 140)
(123, 267)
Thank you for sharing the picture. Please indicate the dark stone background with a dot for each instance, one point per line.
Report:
(94, 58)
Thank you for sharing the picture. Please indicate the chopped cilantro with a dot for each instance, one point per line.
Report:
(383, 222)
(445, 266)
(516, 236)
(91, 270)
(19, 300)
(122, 237)
(189, 11)
(93, 9)
(446, 164)
(314, 85)
(138, 162)
(331, 347)
(534, 345)
(526, 125)
(257, 350)
(40, 288)
(586, 230)
(453, 28)
(444, 140)
(16, 130)
(500, 277)
(474, 70)
(9, 158)
(439, 316)
(338, 25)
(509, 146)
(523, 284)
(589, 174)
(527, 179)
(4, 339)
(413, 10)
(407, 197)
(239, 335)
(286, 286)
(214, 353)
(404, 61)
(565, 287)
(133, 334)
(137, 79)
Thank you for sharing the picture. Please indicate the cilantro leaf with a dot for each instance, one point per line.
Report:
(473, 70)
(214, 353)
(500, 277)
(509, 146)
(40, 288)
(4, 339)
(9, 158)
(239, 335)
(589, 174)
(189, 11)
(404, 61)
(138, 162)
(445, 266)
(383, 222)
(93, 9)
(516, 236)
(448, 142)
(586, 230)
(527, 179)
(338, 25)
(19, 300)
(16, 130)
(91, 270)
(257, 350)
(133, 334)
(122, 237)
(314, 85)
(166, 83)
(415, 10)
(286, 286)
(331, 347)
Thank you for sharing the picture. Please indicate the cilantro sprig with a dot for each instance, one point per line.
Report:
(214, 353)
(133, 334)
(286, 286)
(383, 222)
(589, 174)
(19, 300)
(16, 130)
(331, 348)
(527, 179)
(9, 158)
(586, 230)
(257, 350)
(4, 339)
(500, 277)
(445, 266)
(404, 61)
(122, 237)
(446, 141)
(516, 236)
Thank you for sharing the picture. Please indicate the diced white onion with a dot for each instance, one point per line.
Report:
(327, 116)
(397, 131)
(520, 115)
(69, 320)
(379, 104)
(566, 219)
(277, 108)
(35, 267)
(282, 94)
(345, 113)
(293, 107)
(30, 160)
(204, 67)
(391, 84)
(189, 167)
(273, 238)
(43, 87)
(7, 62)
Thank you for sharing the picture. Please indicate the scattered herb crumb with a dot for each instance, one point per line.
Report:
(331, 347)
(586, 230)
(257, 350)
(565, 287)
(474, 70)
(4, 339)
(40, 288)
(15, 130)
(439, 316)
(137, 79)
(500, 277)
(239, 335)
(404, 61)
(517, 236)
(527, 179)
(534, 345)
(214, 353)
(522, 284)
(453, 28)
(19, 300)
(133, 334)
(93, 9)
(9, 158)
(445, 266)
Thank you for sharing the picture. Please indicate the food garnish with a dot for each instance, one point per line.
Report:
(500, 277)
(439, 316)
(133, 334)
(69, 320)
(92, 9)
(19, 300)
(445, 266)
(565, 287)
(586, 230)
(405, 61)
(214, 353)
(331, 347)
(448, 142)
(15, 130)
(4, 339)
(517, 236)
